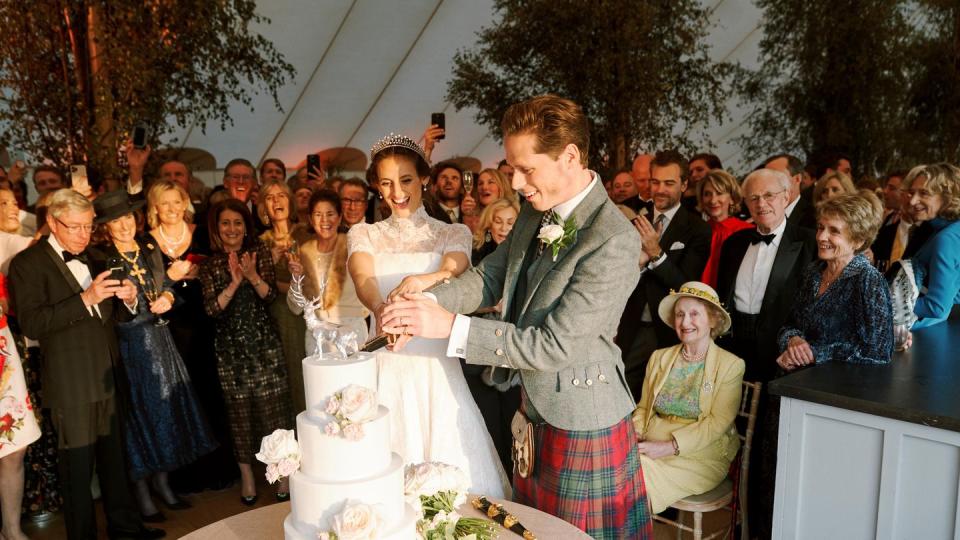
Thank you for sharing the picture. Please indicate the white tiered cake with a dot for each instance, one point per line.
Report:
(335, 469)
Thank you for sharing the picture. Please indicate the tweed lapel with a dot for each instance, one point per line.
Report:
(582, 217)
(786, 257)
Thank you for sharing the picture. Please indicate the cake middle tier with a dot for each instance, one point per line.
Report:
(314, 502)
(334, 457)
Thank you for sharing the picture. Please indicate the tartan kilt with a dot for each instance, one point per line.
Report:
(591, 479)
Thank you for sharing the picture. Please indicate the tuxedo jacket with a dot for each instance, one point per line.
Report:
(79, 349)
(686, 241)
(797, 248)
(804, 213)
(559, 334)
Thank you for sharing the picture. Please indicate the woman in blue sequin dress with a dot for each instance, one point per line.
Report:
(164, 425)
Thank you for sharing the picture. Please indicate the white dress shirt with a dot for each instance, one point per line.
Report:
(791, 206)
(754, 273)
(457, 344)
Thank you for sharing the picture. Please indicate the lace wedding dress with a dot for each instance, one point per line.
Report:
(433, 416)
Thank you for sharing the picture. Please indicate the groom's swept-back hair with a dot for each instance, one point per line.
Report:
(553, 120)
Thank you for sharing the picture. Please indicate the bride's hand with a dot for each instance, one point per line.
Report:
(409, 285)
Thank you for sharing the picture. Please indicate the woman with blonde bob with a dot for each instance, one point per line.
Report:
(496, 222)
(935, 198)
(691, 394)
(719, 197)
(831, 185)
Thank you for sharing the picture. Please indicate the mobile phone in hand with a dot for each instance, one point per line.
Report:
(78, 178)
(313, 164)
(117, 270)
(139, 136)
(440, 120)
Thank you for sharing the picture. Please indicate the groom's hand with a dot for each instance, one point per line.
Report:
(416, 315)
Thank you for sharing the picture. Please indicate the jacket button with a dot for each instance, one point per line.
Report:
(589, 382)
(499, 332)
(445, 281)
(499, 352)
(576, 382)
(602, 377)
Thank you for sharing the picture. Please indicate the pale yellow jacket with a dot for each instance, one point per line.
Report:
(719, 401)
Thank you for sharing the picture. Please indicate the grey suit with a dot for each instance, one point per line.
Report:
(561, 336)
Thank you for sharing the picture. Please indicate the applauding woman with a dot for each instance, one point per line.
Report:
(165, 428)
(238, 286)
(323, 259)
(843, 310)
(691, 393)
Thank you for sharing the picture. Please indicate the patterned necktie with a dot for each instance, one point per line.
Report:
(547, 219)
(658, 224)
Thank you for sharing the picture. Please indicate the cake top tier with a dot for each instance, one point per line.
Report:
(322, 378)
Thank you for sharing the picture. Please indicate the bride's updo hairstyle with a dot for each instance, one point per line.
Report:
(397, 146)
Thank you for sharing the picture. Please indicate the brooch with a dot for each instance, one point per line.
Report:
(708, 387)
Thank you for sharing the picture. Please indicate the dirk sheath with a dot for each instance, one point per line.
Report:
(499, 514)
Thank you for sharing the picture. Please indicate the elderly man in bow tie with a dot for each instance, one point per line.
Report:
(758, 277)
(69, 304)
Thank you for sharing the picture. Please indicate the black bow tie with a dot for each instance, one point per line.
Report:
(67, 257)
(756, 238)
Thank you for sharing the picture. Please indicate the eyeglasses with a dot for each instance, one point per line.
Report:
(767, 197)
(74, 229)
(353, 202)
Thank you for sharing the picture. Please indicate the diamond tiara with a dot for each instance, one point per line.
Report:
(393, 141)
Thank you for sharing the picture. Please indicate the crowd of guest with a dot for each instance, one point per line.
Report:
(160, 335)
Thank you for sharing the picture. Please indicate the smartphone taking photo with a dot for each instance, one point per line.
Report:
(139, 135)
(440, 120)
(78, 179)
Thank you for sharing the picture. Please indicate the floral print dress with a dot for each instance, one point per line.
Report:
(18, 420)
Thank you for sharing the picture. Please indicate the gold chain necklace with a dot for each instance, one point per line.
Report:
(135, 269)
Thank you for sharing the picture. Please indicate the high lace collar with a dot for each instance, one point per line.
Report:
(417, 219)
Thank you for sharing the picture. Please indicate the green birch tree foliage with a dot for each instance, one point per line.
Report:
(834, 75)
(639, 68)
(931, 130)
(76, 75)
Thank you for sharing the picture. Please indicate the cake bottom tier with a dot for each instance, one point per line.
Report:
(403, 529)
(314, 501)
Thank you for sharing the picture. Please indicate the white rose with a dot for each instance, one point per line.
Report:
(358, 404)
(431, 478)
(550, 233)
(280, 444)
(357, 521)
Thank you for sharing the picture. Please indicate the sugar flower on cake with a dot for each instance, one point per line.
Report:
(350, 408)
(281, 452)
(357, 521)
(436, 490)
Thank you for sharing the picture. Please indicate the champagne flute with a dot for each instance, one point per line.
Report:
(153, 293)
(467, 182)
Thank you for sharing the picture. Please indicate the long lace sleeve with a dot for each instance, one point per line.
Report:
(358, 239)
(457, 238)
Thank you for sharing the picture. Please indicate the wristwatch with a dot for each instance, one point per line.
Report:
(658, 260)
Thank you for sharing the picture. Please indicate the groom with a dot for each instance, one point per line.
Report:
(562, 302)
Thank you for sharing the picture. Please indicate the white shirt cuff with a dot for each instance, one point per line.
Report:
(431, 296)
(657, 262)
(132, 309)
(457, 344)
(133, 189)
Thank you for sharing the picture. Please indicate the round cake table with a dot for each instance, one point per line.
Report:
(267, 524)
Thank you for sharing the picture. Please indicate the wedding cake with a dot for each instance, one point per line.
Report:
(347, 471)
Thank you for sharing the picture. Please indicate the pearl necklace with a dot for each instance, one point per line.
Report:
(178, 241)
(692, 359)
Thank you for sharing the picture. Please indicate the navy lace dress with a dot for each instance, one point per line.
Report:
(165, 427)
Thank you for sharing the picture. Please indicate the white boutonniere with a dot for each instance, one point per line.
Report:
(557, 235)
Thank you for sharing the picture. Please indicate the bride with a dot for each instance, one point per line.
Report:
(432, 414)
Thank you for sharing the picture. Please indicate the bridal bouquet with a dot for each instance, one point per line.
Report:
(281, 452)
(357, 521)
(437, 489)
(350, 408)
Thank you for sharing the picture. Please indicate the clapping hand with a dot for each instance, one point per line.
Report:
(248, 265)
(236, 272)
(798, 354)
(294, 264)
(649, 237)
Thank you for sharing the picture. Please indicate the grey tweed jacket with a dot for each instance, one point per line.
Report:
(562, 342)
